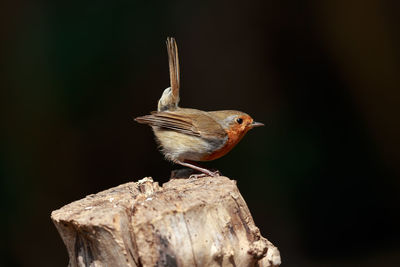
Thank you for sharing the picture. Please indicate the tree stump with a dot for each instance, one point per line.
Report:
(186, 222)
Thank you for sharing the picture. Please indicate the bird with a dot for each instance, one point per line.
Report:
(187, 136)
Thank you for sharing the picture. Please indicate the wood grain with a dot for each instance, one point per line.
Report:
(186, 222)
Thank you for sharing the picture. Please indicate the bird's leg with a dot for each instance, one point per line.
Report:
(197, 168)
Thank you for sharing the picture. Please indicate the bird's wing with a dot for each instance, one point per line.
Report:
(173, 67)
(170, 121)
(194, 124)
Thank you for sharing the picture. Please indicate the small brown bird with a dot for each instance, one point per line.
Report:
(189, 135)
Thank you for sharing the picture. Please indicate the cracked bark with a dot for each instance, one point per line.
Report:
(186, 222)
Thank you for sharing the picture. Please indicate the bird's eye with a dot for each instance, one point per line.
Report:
(239, 120)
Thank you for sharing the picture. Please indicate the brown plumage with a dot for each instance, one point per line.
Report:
(187, 135)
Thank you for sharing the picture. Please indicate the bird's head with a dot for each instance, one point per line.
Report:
(235, 122)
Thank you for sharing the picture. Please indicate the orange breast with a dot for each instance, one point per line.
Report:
(233, 138)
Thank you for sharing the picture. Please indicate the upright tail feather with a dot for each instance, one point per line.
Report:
(173, 67)
(170, 97)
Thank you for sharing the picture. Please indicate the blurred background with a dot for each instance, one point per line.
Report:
(321, 180)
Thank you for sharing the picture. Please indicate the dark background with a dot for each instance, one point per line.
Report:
(321, 180)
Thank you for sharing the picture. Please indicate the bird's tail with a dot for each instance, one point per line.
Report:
(170, 97)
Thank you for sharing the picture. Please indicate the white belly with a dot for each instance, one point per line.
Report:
(179, 146)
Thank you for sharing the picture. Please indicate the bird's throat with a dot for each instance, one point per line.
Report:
(234, 136)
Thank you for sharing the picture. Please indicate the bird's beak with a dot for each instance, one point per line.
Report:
(256, 124)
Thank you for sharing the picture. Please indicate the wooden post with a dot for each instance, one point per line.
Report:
(186, 222)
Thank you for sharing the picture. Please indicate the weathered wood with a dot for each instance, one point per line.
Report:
(186, 222)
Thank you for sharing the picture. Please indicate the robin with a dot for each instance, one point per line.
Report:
(187, 135)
